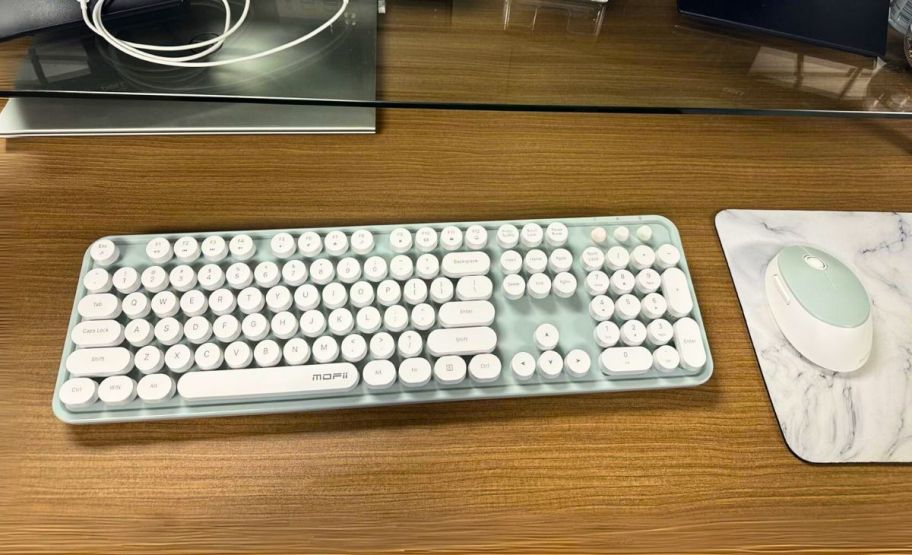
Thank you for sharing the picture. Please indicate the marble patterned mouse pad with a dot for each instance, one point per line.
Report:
(825, 417)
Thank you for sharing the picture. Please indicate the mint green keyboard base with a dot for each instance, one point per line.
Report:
(514, 323)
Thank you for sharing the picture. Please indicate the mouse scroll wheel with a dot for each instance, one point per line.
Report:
(783, 290)
(814, 262)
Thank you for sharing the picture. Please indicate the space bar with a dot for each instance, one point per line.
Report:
(267, 383)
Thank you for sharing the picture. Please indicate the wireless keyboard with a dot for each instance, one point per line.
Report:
(250, 322)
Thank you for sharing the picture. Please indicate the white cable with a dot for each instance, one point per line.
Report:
(144, 51)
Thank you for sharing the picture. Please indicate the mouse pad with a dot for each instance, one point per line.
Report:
(828, 417)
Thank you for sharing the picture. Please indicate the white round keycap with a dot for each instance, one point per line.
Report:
(242, 247)
(226, 328)
(442, 290)
(535, 261)
(239, 275)
(592, 259)
(451, 238)
(627, 307)
(644, 233)
(250, 300)
(560, 260)
(348, 270)
(266, 274)
(182, 278)
(375, 269)
(476, 237)
(507, 236)
(577, 363)
(414, 372)
(423, 316)
(155, 388)
(666, 359)
(550, 364)
(546, 337)
(282, 245)
(154, 279)
(214, 248)
(401, 267)
(97, 280)
(511, 262)
(607, 334)
(310, 244)
(362, 241)
(77, 393)
(149, 359)
(117, 390)
(136, 305)
(616, 258)
(306, 297)
(210, 277)
(158, 250)
(279, 298)
(426, 239)
(194, 303)
(255, 327)
(556, 234)
(622, 282)
(642, 257)
(601, 308)
(531, 235)
(325, 349)
(361, 294)
(409, 344)
(539, 286)
(322, 271)
(238, 355)
(400, 240)
(104, 252)
(267, 353)
(653, 306)
(186, 249)
(514, 287)
(415, 291)
(648, 281)
(296, 351)
(335, 243)
(382, 346)
(294, 273)
(389, 292)
(523, 366)
(474, 288)
(564, 285)
(599, 235)
(368, 320)
(341, 321)
(126, 280)
(597, 283)
(484, 368)
(197, 330)
(208, 356)
(659, 332)
(427, 266)
(179, 358)
(667, 256)
(313, 323)
(633, 333)
(334, 296)
(449, 370)
(284, 325)
(395, 318)
(621, 234)
(354, 348)
(138, 333)
(379, 374)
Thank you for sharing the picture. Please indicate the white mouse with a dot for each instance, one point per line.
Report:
(821, 308)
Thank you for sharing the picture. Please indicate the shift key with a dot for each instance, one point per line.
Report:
(461, 341)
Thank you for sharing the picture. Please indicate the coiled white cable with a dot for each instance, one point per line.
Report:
(145, 52)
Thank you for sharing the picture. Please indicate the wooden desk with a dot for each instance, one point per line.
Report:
(695, 470)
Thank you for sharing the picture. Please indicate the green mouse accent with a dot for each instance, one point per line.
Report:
(816, 288)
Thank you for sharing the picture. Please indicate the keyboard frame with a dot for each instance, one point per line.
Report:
(507, 386)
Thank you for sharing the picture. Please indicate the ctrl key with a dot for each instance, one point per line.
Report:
(78, 393)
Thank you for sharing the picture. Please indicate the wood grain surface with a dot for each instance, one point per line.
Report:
(693, 470)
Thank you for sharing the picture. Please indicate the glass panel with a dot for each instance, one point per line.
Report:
(624, 55)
